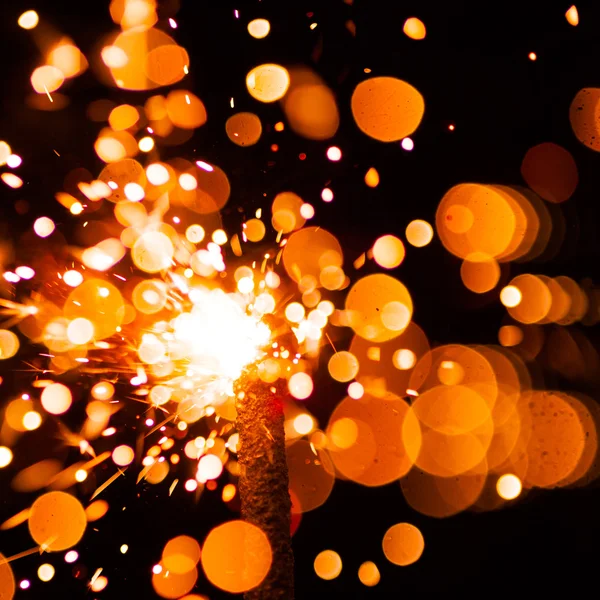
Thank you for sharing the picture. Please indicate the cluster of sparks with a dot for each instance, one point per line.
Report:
(165, 311)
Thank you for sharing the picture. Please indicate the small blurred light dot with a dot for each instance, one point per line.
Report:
(204, 165)
(157, 174)
(451, 127)
(25, 272)
(46, 572)
(419, 233)
(407, 144)
(134, 192)
(532, 56)
(81, 475)
(124, 548)
(28, 20)
(149, 422)
(279, 126)
(11, 277)
(99, 584)
(307, 211)
(71, 556)
(146, 144)
(76, 208)
(259, 28)
(509, 486)
(356, 390)
(300, 385)
(191, 485)
(327, 195)
(24, 585)
(6, 456)
(14, 161)
(32, 420)
(219, 237)
(44, 227)
(245, 285)
(173, 23)
(334, 153)
(511, 296)
(157, 569)
(182, 425)
(188, 182)
(303, 424)
(11, 180)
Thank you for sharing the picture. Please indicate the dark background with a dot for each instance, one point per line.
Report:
(473, 71)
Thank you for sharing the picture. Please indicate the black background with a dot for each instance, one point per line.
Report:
(473, 71)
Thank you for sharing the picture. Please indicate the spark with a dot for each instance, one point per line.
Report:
(108, 482)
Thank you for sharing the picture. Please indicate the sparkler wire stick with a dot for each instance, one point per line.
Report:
(264, 482)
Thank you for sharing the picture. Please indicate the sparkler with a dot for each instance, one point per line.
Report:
(209, 335)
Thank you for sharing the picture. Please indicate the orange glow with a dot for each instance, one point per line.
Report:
(368, 573)
(67, 58)
(388, 252)
(419, 233)
(368, 444)
(343, 366)
(171, 585)
(181, 554)
(414, 28)
(582, 115)
(372, 178)
(123, 456)
(479, 272)
(310, 106)
(403, 544)
(532, 300)
(387, 109)
(185, 110)
(236, 556)
(300, 386)
(57, 521)
(380, 307)
(550, 170)
(47, 79)
(287, 212)
(311, 476)
(96, 510)
(572, 16)
(555, 445)
(532, 56)
(328, 565)
(268, 83)
(243, 129)
(56, 398)
(7, 579)
(123, 117)
(510, 335)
